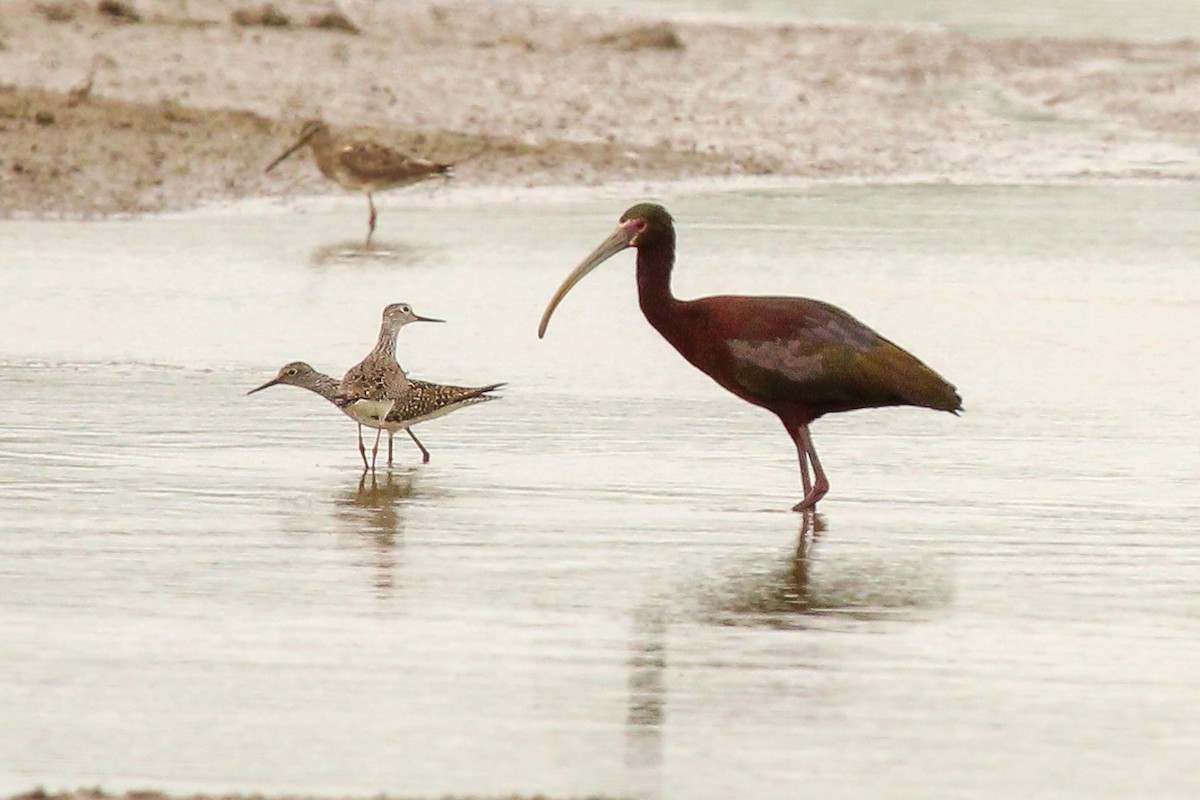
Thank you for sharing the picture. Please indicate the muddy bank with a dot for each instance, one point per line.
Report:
(188, 101)
(109, 156)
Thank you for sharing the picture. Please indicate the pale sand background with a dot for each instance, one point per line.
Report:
(98, 794)
(188, 107)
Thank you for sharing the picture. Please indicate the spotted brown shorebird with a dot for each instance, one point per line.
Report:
(369, 390)
(422, 401)
(362, 164)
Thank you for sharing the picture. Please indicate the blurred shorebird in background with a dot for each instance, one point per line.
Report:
(362, 164)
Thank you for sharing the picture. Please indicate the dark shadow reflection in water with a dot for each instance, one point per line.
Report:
(647, 697)
(792, 594)
(805, 586)
(350, 252)
(373, 514)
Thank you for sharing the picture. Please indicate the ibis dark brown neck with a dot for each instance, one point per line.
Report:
(654, 265)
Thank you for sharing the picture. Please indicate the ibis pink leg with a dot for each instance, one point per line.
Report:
(805, 481)
(805, 449)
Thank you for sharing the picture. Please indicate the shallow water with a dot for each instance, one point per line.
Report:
(595, 584)
(1163, 20)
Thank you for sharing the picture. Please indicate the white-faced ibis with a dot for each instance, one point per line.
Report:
(795, 357)
(361, 164)
(421, 402)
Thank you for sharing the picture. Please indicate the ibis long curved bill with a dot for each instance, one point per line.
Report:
(620, 239)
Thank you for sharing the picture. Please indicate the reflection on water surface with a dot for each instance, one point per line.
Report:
(596, 585)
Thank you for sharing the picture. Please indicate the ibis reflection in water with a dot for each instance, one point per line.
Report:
(798, 358)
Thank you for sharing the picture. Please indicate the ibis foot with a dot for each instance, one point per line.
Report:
(810, 499)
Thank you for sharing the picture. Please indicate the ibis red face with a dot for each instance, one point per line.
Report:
(626, 235)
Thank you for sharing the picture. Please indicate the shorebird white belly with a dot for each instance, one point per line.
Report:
(370, 412)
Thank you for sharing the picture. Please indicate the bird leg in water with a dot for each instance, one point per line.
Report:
(362, 450)
(820, 482)
(805, 481)
(371, 219)
(812, 525)
(424, 452)
(805, 449)
(375, 449)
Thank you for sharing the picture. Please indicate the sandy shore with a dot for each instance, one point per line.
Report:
(190, 100)
(98, 794)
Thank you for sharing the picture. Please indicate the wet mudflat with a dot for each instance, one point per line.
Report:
(596, 586)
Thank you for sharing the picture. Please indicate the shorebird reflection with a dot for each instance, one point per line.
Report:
(356, 252)
(373, 514)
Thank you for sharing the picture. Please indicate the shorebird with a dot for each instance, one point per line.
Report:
(422, 402)
(362, 164)
(369, 390)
